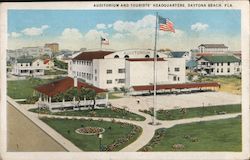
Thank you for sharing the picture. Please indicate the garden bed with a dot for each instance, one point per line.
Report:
(117, 135)
(217, 135)
(107, 112)
(183, 113)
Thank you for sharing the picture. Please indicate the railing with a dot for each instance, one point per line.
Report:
(69, 104)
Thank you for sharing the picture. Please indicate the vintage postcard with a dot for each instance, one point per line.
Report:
(125, 80)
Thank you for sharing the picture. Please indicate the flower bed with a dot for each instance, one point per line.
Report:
(90, 130)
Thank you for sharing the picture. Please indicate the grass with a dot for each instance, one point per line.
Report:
(54, 72)
(108, 112)
(91, 143)
(231, 84)
(21, 89)
(218, 135)
(176, 114)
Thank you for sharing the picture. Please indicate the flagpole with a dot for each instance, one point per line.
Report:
(101, 41)
(155, 75)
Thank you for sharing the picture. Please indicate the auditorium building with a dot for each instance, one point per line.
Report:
(126, 68)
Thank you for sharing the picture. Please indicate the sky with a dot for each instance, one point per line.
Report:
(125, 29)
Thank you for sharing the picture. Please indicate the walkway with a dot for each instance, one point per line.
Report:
(146, 136)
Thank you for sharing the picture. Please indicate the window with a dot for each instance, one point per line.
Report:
(95, 78)
(221, 70)
(228, 63)
(176, 69)
(228, 70)
(217, 64)
(109, 71)
(121, 80)
(27, 65)
(147, 56)
(212, 63)
(217, 70)
(126, 56)
(116, 56)
(174, 78)
(168, 69)
(221, 64)
(21, 64)
(37, 64)
(95, 71)
(178, 78)
(238, 69)
(157, 56)
(109, 81)
(121, 70)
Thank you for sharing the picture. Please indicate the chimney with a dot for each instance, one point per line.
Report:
(75, 81)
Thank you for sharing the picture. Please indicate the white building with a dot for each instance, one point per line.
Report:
(126, 68)
(212, 48)
(219, 65)
(28, 67)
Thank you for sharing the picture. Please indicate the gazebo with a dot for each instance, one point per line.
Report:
(47, 91)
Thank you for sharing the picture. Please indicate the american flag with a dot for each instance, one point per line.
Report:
(166, 24)
(104, 41)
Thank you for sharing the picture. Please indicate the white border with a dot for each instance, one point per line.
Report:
(241, 5)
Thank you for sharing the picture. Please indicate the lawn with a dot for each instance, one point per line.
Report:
(21, 89)
(231, 84)
(176, 114)
(218, 135)
(108, 112)
(115, 133)
(54, 72)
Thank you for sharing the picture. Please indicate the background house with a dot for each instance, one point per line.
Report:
(219, 65)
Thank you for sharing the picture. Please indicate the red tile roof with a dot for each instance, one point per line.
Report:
(46, 61)
(144, 59)
(90, 55)
(176, 86)
(62, 85)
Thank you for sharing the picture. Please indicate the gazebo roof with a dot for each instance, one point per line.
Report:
(59, 86)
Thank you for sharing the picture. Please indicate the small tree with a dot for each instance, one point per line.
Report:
(124, 90)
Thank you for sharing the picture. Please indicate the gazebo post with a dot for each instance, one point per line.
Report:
(49, 100)
(40, 97)
(63, 101)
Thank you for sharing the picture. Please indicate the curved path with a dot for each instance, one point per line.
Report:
(146, 136)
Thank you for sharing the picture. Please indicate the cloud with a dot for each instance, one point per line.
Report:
(14, 35)
(101, 26)
(199, 27)
(110, 25)
(34, 31)
(71, 34)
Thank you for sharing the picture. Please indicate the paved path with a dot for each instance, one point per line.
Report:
(183, 100)
(146, 136)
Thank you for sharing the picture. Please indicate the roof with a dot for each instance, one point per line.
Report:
(178, 54)
(90, 55)
(214, 45)
(220, 59)
(62, 85)
(144, 59)
(25, 60)
(191, 64)
(46, 61)
(176, 86)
